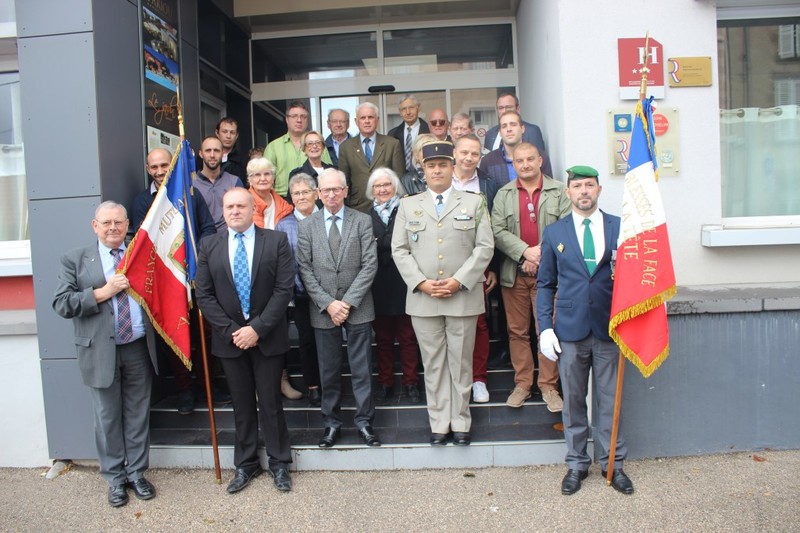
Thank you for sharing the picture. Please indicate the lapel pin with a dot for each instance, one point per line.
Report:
(560, 247)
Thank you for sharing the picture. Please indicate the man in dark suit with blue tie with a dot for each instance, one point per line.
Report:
(245, 278)
(577, 263)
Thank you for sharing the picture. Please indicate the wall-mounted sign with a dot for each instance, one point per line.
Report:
(665, 124)
(631, 56)
(161, 72)
(689, 71)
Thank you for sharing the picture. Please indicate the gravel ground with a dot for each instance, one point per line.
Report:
(732, 492)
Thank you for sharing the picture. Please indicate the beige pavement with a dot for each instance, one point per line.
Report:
(734, 492)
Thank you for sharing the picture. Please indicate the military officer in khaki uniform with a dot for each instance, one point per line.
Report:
(441, 245)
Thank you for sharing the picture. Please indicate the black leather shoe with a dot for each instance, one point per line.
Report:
(461, 438)
(620, 481)
(314, 397)
(438, 439)
(329, 438)
(117, 495)
(412, 392)
(383, 393)
(572, 481)
(281, 479)
(143, 489)
(242, 478)
(369, 437)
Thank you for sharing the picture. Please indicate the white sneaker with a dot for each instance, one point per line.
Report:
(479, 392)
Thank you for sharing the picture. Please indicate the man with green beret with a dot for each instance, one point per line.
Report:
(578, 257)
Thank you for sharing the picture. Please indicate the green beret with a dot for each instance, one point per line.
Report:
(579, 172)
(437, 150)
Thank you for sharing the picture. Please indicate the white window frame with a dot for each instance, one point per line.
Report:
(753, 231)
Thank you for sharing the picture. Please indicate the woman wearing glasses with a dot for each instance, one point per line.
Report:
(389, 292)
(313, 146)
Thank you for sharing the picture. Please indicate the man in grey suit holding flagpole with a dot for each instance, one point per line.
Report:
(115, 345)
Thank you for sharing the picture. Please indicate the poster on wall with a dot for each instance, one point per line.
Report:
(161, 72)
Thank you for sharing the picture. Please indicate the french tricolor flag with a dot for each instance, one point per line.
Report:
(644, 278)
(161, 259)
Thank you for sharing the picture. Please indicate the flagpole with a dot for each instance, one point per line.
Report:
(212, 422)
(621, 363)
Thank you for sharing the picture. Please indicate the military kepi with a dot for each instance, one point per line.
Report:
(437, 150)
(580, 172)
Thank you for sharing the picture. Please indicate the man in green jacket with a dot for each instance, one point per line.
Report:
(522, 209)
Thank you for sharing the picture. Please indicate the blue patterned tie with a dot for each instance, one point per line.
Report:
(439, 204)
(124, 322)
(241, 275)
(368, 151)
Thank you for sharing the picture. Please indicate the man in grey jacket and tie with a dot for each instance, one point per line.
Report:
(115, 346)
(337, 258)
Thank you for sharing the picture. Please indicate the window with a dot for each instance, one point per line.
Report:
(759, 72)
(13, 196)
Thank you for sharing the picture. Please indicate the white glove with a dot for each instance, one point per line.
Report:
(548, 343)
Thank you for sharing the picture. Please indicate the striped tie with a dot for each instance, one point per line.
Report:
(124, 323)
(409, 155)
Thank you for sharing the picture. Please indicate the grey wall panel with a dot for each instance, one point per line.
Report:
(120, 132)
(46, 17)
(68, 415)
(188, 21)
(56, 226)
(730, 383)
(59, 107)
(190, 67)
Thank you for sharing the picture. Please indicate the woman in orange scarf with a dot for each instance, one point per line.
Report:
(270, 207)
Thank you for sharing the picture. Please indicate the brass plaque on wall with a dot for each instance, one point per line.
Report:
(689, 71)
(666, 125)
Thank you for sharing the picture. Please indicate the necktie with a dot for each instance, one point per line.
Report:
(368, 151)
(241, 275)
(409, 161)
(124, 325)
(439, 204)
(334, 237)
(588, 247)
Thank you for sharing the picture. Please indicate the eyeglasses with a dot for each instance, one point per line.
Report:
(295, 116)
(331, 190)
(438, 123)
(261, 175)
(531, 212)
(382, 185)
(312, 144)
(111, 223)
(302, 194)
(407, 108)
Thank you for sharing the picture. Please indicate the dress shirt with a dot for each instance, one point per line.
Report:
(471, 185)
(371, 142)
(512, 172)
(249, 241)
(107, 260)
(596, 227)
(414, 131)
(445, 195)
(327, 216)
